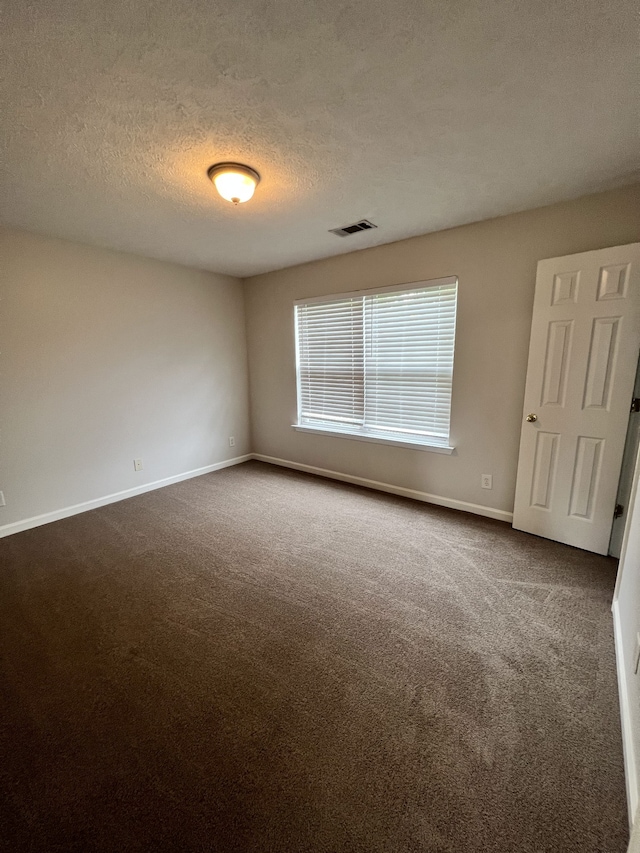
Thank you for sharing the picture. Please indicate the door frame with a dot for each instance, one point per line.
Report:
(628, 584)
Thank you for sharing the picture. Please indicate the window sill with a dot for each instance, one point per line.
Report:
(393, 442)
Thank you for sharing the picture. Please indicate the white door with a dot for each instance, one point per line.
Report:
(583, 353)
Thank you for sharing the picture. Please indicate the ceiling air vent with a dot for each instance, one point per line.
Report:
(363, 225)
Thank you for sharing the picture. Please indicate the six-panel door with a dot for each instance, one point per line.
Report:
(583, 353)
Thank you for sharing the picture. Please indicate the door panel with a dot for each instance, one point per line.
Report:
(556, 363)
(604, 337)
(586, 473)
(544, 468)
(583, 352)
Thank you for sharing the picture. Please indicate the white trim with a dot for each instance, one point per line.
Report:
(464, 506)
(630, 770)
(65, 512)
(394, 442)
(391, 288)
(633, 496)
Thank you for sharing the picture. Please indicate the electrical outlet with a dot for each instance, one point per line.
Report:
(137, 464)
(487, 481)
(2, 500)
(232, 441)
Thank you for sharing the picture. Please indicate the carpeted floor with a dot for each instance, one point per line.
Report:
(259, 660)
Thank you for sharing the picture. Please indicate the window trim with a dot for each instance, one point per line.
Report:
(446, 449)
(395, 440)
(407, 285)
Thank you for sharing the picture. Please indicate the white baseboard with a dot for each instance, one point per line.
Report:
(65, 512)
(451, 503)
(630, 769)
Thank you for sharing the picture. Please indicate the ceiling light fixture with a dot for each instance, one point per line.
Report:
(235, 182)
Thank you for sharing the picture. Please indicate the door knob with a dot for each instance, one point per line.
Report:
(532, 418)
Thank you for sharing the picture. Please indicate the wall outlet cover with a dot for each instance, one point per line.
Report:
(2, 500)
(137, 464)
(487, 481)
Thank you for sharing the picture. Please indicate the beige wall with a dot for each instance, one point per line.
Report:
(107, 357)
(496, 265)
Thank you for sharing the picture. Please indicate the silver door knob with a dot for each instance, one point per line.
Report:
(532, 418)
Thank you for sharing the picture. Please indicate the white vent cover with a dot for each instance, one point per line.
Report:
(363, 225)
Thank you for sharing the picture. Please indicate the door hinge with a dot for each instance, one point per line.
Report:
(635, 405)
(618, 511)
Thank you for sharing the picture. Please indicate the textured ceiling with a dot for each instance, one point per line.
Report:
(416, 114)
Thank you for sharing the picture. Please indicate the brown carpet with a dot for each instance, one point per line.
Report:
(260, 660)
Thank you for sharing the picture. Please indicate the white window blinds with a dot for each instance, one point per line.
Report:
(379, 363)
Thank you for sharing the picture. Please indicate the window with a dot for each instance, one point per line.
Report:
(378, 364)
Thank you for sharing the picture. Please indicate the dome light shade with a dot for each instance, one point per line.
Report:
(235, 182)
